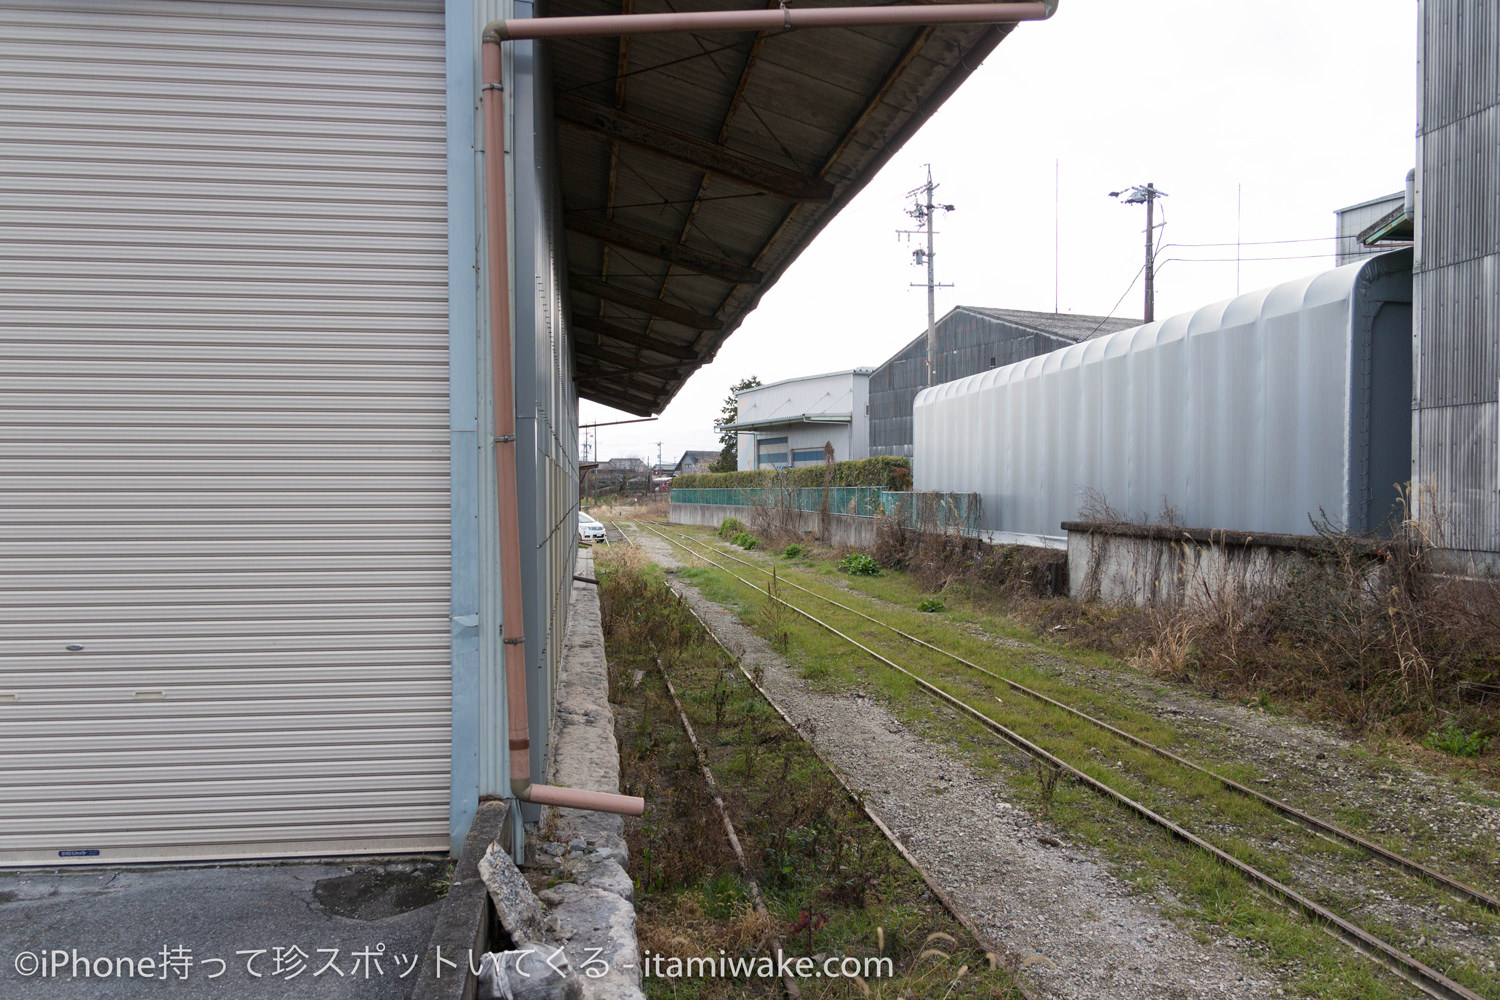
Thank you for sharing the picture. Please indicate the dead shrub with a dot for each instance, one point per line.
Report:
(628, 559)
(943, 557)
(1365, 630)
(655, 506)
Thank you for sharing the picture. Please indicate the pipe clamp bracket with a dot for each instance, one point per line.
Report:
(514, 640)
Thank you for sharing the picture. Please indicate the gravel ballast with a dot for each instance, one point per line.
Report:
(1076, 930)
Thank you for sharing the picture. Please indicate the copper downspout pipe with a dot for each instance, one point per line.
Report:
(512, 603)
(772, 19)
(493, 108)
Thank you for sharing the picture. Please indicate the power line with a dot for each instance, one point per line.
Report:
(1247, 260)
(1111, 312)
(1266, 243)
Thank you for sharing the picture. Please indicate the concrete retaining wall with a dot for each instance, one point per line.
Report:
(843, 529)
(1148, 564)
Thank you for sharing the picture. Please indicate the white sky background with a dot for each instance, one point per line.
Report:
(1310, 107)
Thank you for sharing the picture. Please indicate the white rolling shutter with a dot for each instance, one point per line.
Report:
(224, 560)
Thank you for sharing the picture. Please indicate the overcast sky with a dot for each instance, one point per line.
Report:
(1307, 108)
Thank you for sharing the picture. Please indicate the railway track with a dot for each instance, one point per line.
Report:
(992, 949)
(1429, 980)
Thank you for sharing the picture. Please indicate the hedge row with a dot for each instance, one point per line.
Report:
(885, 471)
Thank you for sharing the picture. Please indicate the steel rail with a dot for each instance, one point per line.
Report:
(1401, 861)
(992, 948)
(1420, 975)
(756, 897)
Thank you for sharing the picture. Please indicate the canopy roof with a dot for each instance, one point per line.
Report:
(695, 169)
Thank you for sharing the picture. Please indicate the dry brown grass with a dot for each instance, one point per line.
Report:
(620, 559)
(943, 559)
(1369, 637)
(682, 928)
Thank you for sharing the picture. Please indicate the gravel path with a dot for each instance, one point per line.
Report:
(1081, 934)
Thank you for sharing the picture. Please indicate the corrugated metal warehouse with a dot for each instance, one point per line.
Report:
(1456, 398)
(788, 423)
(250, 599)
(970, 340)
(1258, 414)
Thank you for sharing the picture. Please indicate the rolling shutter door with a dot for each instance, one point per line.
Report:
(224, 522)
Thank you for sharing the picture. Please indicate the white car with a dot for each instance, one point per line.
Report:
(589, 530)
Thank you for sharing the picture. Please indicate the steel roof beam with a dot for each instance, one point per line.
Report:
(771, 178)
(663, 249)
(642, 303)
(619, 394)
(643, 341)
(599, 374)
(621, 359)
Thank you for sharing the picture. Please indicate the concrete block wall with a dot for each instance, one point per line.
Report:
(843, 529)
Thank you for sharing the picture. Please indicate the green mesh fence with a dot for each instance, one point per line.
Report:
(939, 511)
(934, 511)
(863, 501)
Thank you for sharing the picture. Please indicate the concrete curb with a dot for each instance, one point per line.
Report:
(466, 920)
(594, 911)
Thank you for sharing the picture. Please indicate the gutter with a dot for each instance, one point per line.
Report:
(498, 265)
(805, 418)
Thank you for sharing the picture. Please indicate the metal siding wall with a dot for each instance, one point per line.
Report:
(1457, 308)
(224, 451)
(546, 410)
(469, 569)
(966, 343)
(546, 398)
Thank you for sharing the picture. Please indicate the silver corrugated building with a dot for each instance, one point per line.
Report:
(1456, 391)
(970, 339)
(1260, 413)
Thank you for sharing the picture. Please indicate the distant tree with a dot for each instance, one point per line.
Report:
(729, 453)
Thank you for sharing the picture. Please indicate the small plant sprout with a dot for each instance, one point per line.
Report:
(1456, 741)
(859, 564)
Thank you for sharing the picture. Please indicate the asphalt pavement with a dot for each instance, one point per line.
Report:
(314, 931)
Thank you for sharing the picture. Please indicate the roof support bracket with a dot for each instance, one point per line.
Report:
(783, 182)
(662, 249)
(642, 303)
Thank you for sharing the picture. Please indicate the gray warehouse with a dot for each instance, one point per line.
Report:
(970, 340)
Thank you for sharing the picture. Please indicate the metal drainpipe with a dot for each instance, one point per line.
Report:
(767, 19)
(514, 642)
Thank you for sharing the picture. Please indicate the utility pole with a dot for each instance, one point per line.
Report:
(1150, 255)
(1148, 195)
(923, 211)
